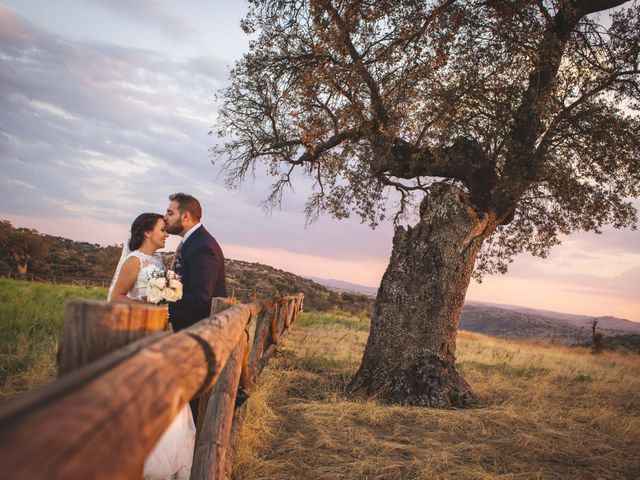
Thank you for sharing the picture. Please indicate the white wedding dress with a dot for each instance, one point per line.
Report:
(172, 456)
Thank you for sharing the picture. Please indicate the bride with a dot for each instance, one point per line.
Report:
(172, 456)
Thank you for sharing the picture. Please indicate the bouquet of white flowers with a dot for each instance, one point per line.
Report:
(164, 285)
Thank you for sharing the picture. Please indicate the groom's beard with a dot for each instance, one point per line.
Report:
(174, 229)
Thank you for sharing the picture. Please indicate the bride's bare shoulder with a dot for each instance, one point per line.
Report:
(131, 262)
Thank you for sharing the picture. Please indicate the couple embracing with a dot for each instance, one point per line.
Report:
(199, 263)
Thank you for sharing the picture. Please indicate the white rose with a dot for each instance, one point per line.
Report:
(158, 283)
(154, 295)
(170, 295)
(177, 286)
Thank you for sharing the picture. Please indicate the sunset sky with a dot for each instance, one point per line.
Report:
(106, 108)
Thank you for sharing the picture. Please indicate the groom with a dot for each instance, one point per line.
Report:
(199, 261)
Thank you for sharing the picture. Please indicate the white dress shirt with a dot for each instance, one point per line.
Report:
(190, 231)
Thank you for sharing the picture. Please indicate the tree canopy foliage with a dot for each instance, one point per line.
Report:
(530, 107)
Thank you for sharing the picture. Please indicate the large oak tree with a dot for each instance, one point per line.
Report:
(503, 124)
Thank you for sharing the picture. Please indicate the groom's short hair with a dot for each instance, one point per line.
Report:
(187, 203)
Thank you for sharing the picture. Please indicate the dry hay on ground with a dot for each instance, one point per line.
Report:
(549, 412)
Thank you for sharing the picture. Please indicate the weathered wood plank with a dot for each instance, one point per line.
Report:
(38, 398)
(261, 340)
(277, 326)
(91, 329)
(218, 304)
(257, 361)
(234, 440)
(211, 449)
(274, 325)
(245, 379)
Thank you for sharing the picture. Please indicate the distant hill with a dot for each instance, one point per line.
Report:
(496, 320)
(506, 323)
(520, 322)
(509, 323)
(606, 322)
(247, 277)
(341, 285)
(28, 252)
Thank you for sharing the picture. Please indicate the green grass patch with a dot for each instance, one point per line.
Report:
(319, 319)
(31, 317)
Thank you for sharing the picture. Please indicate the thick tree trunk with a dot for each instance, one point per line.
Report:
(411, 350)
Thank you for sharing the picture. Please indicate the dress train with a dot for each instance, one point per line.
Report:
(172, 456)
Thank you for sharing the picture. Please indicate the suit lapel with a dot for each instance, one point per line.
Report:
(185, 246)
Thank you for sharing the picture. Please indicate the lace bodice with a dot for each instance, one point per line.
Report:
(148, 263)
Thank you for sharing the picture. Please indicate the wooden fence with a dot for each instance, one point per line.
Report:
(123, 379)
(58, 279)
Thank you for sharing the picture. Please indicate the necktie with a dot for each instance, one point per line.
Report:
(175, 256)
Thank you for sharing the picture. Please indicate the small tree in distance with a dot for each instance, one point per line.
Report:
(502, 124)
(597, 338)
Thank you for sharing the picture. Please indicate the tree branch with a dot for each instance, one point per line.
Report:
(312, 153)
(345, 37)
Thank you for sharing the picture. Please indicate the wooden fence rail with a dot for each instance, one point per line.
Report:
(101, 420)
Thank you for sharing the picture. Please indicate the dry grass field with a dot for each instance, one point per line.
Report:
(547, 412)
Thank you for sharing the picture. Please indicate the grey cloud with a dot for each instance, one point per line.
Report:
(285, 226)
(7, 146)
(610, 241)
(624, 285)
(22, 198)
(151, 12)
(208, 67)
(64, 102)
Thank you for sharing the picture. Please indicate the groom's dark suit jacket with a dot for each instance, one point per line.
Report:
(200, 263)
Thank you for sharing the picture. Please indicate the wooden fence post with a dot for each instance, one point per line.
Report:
(211, 447)
(261, 350)
(274, 324)
(92, 329)
(261, 339)
(218, 304)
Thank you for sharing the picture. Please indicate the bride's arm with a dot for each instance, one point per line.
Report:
(126, 279)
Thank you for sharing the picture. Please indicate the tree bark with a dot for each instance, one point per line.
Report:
(411, 350)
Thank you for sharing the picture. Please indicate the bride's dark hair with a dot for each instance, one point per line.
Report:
(144, 223)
